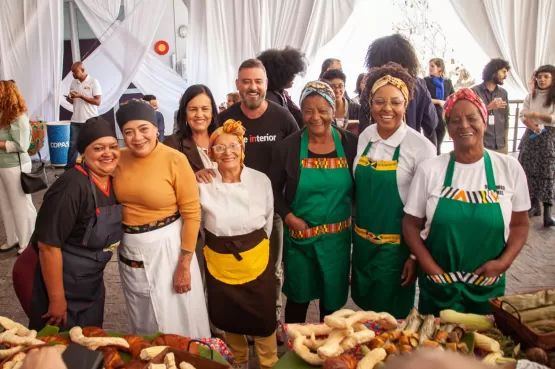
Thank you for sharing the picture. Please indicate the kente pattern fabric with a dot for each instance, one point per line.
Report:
(378, 164)
(321, 88)
(466, 94)
(324, 163)
(473, 197)
(378, 238)
(320, 229)
(390, 80)
(463, 277)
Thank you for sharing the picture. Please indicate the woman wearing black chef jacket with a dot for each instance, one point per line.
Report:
(313, 166)
(59, 280)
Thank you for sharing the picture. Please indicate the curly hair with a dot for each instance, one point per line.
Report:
(12, 104)
(334, 74)
(493, 67)
(394, 48)
(551, 94)
(282, 66)
(183, 129)
(394, 70)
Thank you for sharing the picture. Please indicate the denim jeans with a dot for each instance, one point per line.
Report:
(72, 154)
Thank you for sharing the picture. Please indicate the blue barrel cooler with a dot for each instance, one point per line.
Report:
(58, 142)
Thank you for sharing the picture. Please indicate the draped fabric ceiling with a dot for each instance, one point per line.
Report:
(518, 31)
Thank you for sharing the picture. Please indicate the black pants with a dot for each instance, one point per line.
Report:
(296, 312)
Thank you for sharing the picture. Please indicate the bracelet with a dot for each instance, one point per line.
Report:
(413, 257)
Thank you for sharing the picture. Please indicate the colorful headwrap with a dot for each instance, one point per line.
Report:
(232, 127)
(466, 94)
(322, 89)
(390, 80)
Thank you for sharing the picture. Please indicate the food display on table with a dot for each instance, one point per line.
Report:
(119, 351)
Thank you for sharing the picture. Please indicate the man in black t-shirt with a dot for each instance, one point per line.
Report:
(266, 124)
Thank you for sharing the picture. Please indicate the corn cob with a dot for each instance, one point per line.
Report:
(485, 343)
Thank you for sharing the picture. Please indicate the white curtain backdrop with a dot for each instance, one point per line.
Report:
(31, 47)
(518, 31)
(116, 61)
(153, 76)
(225, 33)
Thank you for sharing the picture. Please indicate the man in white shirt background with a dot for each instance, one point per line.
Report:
(84, 94)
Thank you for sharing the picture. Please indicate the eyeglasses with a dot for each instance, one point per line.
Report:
(395, 104)
(220, 149)
(338, 87)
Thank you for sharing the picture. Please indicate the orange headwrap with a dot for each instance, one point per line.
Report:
(232, 127)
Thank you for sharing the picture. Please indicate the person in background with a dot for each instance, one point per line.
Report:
(313, 193)
(439, 88)
(232, 98)
(282, 66)
(85, 96)
(387, 157)
(160, 275)
(361, 85)
(267, 124)
(222, 107)
(175, 125)
(16, 207)
(59, 280)
(475, 203)
(238, 209)
(151, 99)
(328, 64)
(196, 120)
(537, 147)
(345, 108)
(497, 103)
(421, 113)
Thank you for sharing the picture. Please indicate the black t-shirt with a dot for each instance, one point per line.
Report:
(262, 134)
(67, 207)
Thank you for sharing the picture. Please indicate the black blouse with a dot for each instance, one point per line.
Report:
(285, 171)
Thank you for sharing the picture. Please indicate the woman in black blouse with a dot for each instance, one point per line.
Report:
(440, 88)
(314, 168)
(196, 120)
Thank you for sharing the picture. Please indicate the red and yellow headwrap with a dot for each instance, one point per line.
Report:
(390, 80)
(466, 94)
(232, 127)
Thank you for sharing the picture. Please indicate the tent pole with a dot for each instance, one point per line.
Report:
(74, 33)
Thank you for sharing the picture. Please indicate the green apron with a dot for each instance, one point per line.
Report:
(317, 267)
(379, 252)
(467, 231)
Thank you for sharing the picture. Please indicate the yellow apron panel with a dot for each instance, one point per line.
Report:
(227, 269)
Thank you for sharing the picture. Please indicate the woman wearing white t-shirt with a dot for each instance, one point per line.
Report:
(475, 202)
(387, 156)
(237, 213)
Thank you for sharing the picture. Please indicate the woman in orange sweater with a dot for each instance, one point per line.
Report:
(161, 214)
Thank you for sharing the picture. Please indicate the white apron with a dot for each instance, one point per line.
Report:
(151, 300)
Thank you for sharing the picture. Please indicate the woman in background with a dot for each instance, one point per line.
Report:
(196, 120)
(440, 88)
(345, 108)
(282, 66)
(232, 98)
(537, 148)
(16, 207)
(361, 85)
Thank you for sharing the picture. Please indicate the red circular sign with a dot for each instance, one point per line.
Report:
(161, 47)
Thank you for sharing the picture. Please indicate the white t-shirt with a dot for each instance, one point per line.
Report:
(232, 209)
(82, 110)
(509, 177)
(415, 148)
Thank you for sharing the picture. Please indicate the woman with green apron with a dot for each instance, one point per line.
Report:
(475, 202)
(388, 154)
(313, 194)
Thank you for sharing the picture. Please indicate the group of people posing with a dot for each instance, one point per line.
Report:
(229, 199)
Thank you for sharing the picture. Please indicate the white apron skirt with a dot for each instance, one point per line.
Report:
(151, 300)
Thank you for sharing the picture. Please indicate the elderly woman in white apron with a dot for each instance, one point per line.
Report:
(161, 215)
